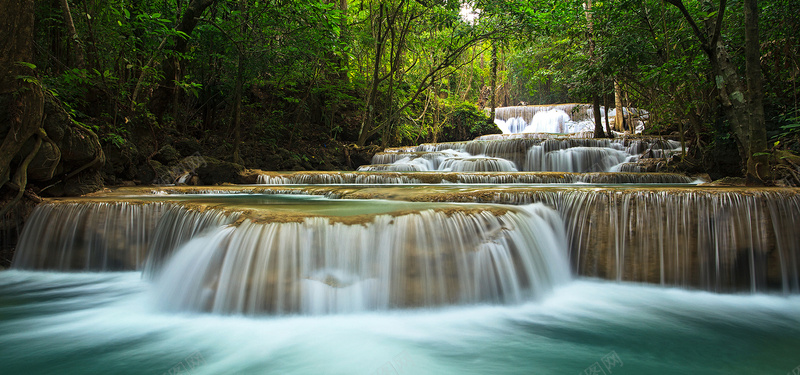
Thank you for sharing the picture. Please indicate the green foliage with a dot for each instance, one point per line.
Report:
(414, 71)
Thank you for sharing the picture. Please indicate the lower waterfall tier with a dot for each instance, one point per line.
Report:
(718, 239)
(423, 259)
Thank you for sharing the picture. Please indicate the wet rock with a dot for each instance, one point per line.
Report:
(216, 172)
(43, 166)
(188, 146)
(727, 181)
(167, 155)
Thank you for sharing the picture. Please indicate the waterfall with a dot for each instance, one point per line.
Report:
(558, 118)
(177, 226)
(713, 239)
(88, 237)
(102, 236)
(317, 266)
(383, 178)
(534, 152)
(575, 159)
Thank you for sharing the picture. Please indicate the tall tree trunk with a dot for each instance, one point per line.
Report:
(167, 89)
(21, 101)
(369, 112)
(493, 98)
(619, 119)
(598, 122)
(608, 123)
(598, 117)
(237, 94)
(742, 105)
(75, 42)
(757, 162)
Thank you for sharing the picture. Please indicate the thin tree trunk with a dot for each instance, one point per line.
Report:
(608, 123)
(619, 119)
(237, 95)
(77, 47)
(369, 111)
(237, 111)
(757, 163)
(598, 122)
(743, 106)
(167, 88)
(492, 99)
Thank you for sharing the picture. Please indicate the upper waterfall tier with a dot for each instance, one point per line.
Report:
(383, 177)
(528, 154)
(559, 118)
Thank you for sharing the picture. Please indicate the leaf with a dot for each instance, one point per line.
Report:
(26, 65)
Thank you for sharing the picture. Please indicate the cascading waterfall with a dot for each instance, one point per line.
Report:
(87, 237)
(429, 258)
(535, 153)
(575, 159)
(177, 226)
(717, 239)
(102, 236)
(384, 178)
(559, 118)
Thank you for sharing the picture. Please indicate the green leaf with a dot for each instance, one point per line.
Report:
(25, 65)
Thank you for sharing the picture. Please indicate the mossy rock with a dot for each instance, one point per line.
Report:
(167, 155)
(216, 172)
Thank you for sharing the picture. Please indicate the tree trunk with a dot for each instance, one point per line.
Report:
(608, 123)
(75, 42)
(598, 117)
(21, 102)
(598, 122)
(742, 106)
(494, 80)
(167, 88)
(237, 94)
(369, 112)
(619, 119)
(757, 162)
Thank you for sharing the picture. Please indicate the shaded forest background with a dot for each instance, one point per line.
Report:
(131, 88)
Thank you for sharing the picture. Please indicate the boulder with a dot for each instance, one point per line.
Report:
(216, 172)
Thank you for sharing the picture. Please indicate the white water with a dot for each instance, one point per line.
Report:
(68, 324)
(316, 267)
(560, 118)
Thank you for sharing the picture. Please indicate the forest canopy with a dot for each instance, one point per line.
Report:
(311, 84)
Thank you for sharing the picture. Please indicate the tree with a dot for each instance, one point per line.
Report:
(21, 99)
(742, 102)
(167, 91)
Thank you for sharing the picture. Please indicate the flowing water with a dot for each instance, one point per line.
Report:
(89, 323)
(520, 253)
